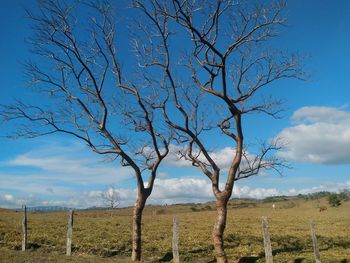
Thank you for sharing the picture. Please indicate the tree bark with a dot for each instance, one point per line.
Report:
(136, 224)
(219, 227)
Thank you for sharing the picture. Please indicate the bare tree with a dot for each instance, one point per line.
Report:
(110, 196)
(82, 91)
(227, 69)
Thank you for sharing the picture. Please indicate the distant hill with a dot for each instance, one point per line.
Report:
(45, 208)
(311, 196)
(57, 208)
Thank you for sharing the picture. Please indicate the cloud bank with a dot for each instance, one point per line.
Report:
(166, 191)
(318, 135)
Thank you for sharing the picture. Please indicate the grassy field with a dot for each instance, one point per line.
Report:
(100, 237)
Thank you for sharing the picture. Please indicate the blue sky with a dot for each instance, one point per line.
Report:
(316, 123)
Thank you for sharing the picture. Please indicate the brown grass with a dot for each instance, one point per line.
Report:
(98, 236)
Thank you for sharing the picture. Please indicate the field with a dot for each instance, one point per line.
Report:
(100, 236)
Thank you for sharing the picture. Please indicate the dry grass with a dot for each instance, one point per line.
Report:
(98, 236)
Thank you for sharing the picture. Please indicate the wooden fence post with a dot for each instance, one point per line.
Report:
(70, 233)
(176, 240)
(314, 242)
(267, 241)
(24, 227)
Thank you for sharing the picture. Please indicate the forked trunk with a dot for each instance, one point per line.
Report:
(218, 231)
(136, 225)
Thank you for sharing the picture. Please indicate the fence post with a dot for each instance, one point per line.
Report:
(24, 228)
(176, 240)
(70, 233)
(267, 241)
(314, 242)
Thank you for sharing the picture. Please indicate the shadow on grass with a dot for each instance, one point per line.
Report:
(34, 246)
(292, 244)
(201, 250)
(326, 243)
(255, 259)
(29, 247)
(288, 244)
(167, 257)
(110, 253)
(248, 259)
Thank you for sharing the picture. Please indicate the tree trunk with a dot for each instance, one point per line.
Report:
(136, 225)
(219, 227)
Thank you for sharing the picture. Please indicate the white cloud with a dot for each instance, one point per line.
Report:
(58, 175)
(8, 197)
(74, 200)
(222, 157)
(173, 158)
(166, 191)
(13, 201)
(257, 193)
(70, 168)
(181, 190)
(62, 172)
(320, 114)
(33, 183)
(319, 135)
(70, 164)
(193, 190)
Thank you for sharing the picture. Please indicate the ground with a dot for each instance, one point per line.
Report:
(100, 236)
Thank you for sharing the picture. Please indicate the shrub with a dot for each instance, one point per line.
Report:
(207, 207)
(194, 209)
(334, 200)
